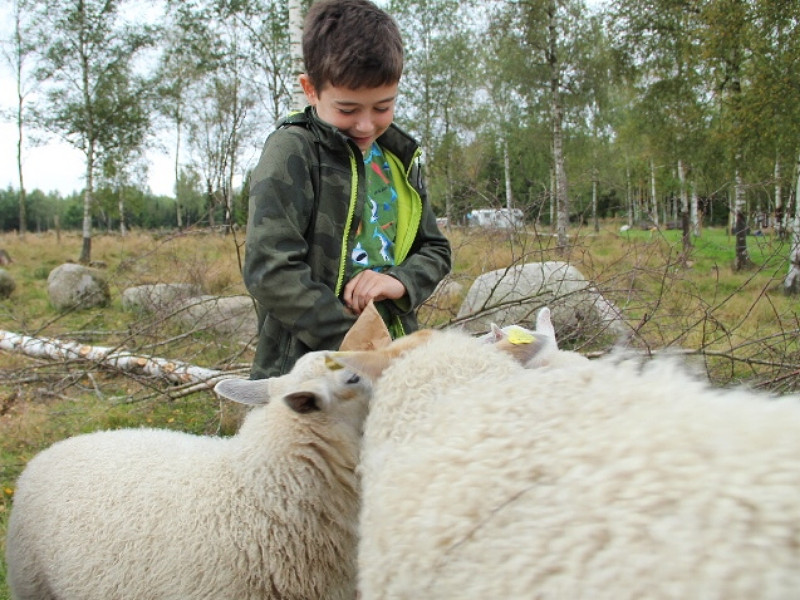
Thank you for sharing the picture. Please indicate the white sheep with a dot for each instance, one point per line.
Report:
(603, 479)
(270, 513)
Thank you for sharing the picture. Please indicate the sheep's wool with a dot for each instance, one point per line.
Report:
(151, 514)
(598, 479)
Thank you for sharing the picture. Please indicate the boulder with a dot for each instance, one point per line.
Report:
(7, 284)
(512, 296)
(158, 297)
(73, 286)
(231, 316)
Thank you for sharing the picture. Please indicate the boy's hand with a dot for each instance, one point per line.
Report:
(370, 285)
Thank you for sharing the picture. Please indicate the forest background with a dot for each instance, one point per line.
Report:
(664, 113)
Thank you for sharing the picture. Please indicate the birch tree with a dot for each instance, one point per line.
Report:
(726, 31)
(537, 41)
(440, 70)
(17, 53)
(189, 53)
(660, 41)
(87, 49)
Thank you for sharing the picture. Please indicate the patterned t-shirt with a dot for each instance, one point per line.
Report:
(376, 234)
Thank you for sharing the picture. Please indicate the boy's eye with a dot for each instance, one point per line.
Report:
(346, 111)
(382, 109)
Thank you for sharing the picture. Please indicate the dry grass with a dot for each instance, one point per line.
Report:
(740, 324)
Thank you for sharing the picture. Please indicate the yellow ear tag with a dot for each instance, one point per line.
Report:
(332, 364)
(518, 336)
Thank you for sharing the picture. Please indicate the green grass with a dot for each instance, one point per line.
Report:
(741, 322)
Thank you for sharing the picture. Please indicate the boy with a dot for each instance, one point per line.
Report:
(338, 212)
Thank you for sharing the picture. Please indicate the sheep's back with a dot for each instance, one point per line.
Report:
(602, 480)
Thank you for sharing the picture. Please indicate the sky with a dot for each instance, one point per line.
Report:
(55, 166)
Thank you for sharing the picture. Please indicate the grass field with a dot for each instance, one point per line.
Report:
(740, 324)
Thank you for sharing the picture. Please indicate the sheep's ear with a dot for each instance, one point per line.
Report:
(244, 391)
(369, 332)
(371, 364)
(527, 347)
(302, 402)
(494, 335)
(524, 345)
(544, 325)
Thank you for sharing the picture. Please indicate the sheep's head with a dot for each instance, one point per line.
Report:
(532, 349)
(317, 383)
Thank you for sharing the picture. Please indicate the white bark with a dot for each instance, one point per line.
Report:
(695, 211)
(629, 196)
(791, 284)
(507, 169)
(684, 211)
(742, 259)
(653, 197)
(171, 370)
(296, 52)
(123, 231)
(779, 213)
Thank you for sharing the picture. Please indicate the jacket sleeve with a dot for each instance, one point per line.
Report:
(429, 259)
(276, 272)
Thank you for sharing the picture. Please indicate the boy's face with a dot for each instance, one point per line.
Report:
(362, 114)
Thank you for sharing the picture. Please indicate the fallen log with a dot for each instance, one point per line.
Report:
(172, 370)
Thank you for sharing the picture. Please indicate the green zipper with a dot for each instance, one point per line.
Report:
(350, 212)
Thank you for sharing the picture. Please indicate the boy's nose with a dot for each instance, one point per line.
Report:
(365, 124)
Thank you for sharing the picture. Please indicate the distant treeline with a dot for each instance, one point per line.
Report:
(48, 211)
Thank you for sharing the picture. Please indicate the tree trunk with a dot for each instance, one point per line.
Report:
(123, 231)
(53, 349)
(653, 197)
(552, 198)
(178, 127)
(791, 284)
(507, 170)
(23, 218)
(296, 52)
(86, 248)
(562, 197)
(629, 195)
(594, 201)
(742, 260)
(687, 242)
(780, 228)
(211, 203)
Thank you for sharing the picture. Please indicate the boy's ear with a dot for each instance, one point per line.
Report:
(308, 88)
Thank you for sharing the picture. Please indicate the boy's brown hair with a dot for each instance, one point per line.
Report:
(351, 44)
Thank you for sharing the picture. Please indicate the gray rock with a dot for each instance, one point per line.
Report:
(75, 286)
(512, 296)
(157, 297)
(7, 284)
(232, 316)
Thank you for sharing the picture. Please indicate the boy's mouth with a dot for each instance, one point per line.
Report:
(362, 141)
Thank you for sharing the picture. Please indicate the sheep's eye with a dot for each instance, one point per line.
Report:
(354, 378)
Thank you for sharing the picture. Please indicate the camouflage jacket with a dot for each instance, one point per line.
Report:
(306, 200)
